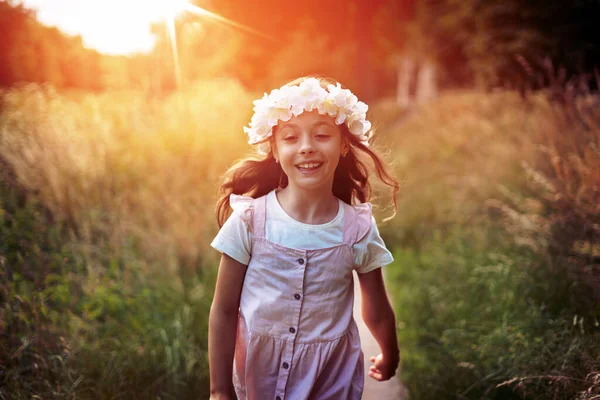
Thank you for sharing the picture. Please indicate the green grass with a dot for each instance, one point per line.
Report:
(486, 307)
(106, 210)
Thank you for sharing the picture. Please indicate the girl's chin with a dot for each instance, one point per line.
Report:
(310, 183)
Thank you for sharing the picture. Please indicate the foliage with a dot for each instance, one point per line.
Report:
(358, 42)
(32, 52)
(107, 275)
(480, 325)
(105, 213)
(102, 163)
(497, 230)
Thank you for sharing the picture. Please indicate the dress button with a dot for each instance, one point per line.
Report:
(278, 398)
(286, 365)
(300, 261)
(297, 296)
(293, 330)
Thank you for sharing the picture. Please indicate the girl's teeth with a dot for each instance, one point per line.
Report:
(308, 166)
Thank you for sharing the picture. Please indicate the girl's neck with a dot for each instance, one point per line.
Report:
(309, 207)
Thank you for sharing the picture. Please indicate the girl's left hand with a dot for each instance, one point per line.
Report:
(382, 368)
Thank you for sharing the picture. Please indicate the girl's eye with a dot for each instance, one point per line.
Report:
(289, 138)
(322, 135)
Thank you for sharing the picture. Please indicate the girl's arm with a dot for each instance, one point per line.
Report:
(381, 321)
(222, 327)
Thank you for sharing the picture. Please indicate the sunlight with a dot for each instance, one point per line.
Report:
(167, 8)
(205, 13)
(129, 22)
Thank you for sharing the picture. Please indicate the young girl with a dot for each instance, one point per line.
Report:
(281, 324)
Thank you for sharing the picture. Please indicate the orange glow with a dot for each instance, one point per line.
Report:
(118, 26)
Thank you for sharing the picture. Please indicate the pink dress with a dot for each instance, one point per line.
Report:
(296, 337)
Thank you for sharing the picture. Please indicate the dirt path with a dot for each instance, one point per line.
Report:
(374, 390)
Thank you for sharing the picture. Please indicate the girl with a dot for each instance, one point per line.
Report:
(281, 324)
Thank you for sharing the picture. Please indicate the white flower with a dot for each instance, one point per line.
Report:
(359, 127)
(341, 117)
(328, 106)
(288, 101)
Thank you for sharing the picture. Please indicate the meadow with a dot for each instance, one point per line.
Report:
(107, 212)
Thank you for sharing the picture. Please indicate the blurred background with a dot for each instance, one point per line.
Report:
(118, 119)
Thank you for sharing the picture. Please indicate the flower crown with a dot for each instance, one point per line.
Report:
(289, 101)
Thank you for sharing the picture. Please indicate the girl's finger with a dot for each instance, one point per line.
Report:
(372, 359)
(375, 372)
(375, 375)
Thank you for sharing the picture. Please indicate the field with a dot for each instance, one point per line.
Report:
(107, 212)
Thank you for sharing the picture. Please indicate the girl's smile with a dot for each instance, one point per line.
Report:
(309, 166)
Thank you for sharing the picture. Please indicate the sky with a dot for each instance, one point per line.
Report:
(110, 26)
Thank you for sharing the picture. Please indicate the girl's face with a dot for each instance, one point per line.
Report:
(308, 148)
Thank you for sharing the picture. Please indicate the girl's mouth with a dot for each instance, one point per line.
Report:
(309, 167)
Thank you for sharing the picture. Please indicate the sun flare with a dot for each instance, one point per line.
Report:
(117, 26)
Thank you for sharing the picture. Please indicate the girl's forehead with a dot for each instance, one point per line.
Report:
(309, 118)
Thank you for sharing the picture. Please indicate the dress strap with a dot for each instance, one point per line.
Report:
(357, 222)
(259, 216)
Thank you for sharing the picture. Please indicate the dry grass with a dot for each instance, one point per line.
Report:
(473, 163)
(119, 166)
(134, 179)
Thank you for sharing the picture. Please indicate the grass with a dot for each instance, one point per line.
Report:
(107, 206)
(107, 212)
(489, 289)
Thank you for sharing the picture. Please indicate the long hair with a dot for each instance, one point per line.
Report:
(257, 176)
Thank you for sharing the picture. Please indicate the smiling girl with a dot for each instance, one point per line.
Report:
(281, 323)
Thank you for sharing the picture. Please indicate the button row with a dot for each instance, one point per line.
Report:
(297, 296)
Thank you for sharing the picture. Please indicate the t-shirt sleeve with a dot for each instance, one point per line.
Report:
(234, 237)
(370, 251)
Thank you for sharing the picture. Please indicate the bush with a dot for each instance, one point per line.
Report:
(106, 207)
(475, 321)
(497, 237)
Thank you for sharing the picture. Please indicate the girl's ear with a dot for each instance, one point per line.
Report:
(345, 147)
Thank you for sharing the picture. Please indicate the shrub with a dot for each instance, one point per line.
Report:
(106, 207)
(498, 230)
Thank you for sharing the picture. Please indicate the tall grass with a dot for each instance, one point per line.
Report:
(497, 245)
(106, 210)
(122, 165)
(106, 214)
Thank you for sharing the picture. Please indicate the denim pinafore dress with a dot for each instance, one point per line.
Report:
(296, 337)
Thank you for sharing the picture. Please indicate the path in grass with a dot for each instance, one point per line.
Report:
(374, 390)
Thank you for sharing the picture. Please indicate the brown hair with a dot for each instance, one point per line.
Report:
(257, 176)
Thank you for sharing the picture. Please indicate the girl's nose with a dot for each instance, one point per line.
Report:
(306, 146)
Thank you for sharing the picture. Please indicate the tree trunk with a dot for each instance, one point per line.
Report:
(404, 68)
(426, 83)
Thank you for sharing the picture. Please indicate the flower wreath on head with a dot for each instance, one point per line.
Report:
(289, 101)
